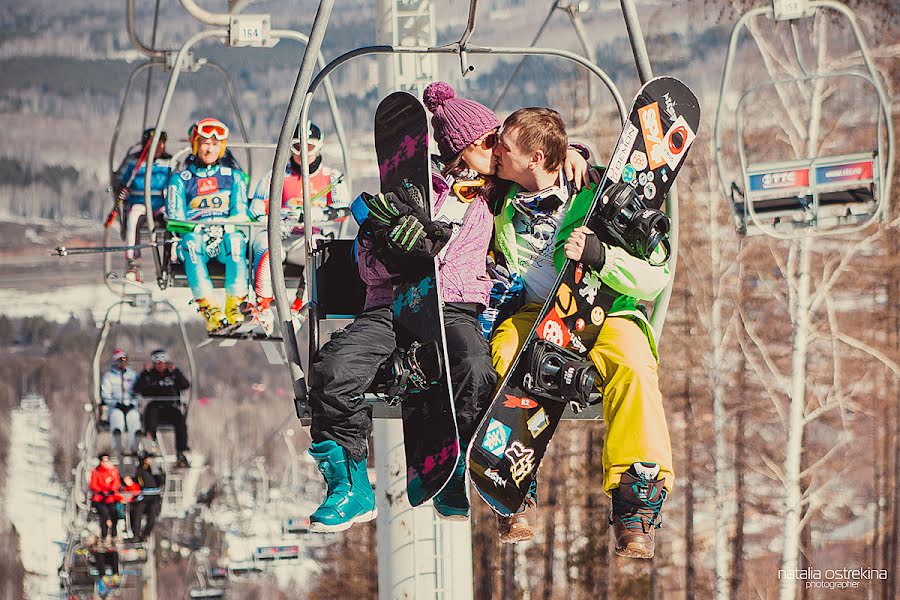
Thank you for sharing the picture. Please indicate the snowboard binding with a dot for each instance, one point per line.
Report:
(409, 370)
(628, 219)
(560, 375)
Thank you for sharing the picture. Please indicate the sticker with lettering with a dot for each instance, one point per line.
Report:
(639, 160)
(496, 438)
(677, 140)
(514, 402)
(620, 156)
(207, 185)
(651, 127)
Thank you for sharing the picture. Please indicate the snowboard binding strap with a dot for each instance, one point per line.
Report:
(560, 375)
(409, 370)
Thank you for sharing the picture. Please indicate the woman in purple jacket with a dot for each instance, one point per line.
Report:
(345, 367)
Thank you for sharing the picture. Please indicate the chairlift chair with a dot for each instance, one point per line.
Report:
(335, 291)
(815, 195)
(235, 30)
(113, 318)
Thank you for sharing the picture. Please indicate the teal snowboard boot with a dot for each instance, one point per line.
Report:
(452, 502)
(349, 498)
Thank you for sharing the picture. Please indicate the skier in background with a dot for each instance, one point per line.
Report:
(117, 393)
(328, 193)
(202, 191)
(129, 190)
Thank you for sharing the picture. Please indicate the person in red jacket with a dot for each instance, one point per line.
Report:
(105, 484)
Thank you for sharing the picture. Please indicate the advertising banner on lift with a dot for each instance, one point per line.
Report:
(778, 180)
(849, 171)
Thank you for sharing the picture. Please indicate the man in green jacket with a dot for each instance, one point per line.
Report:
(539, 226)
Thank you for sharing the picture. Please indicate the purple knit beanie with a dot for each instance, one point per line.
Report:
(457, 122)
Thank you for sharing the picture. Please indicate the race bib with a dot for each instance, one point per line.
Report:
(218, 202)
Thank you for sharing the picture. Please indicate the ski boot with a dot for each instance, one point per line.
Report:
(296, 306)
(233, 309)
(349, 498)
(215, 318)
(452, 502)
(264, 315)
(133, 272)
(635, 513)
(181, 461)
(516, 528)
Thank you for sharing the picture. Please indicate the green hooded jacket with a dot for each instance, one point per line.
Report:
(634, 279)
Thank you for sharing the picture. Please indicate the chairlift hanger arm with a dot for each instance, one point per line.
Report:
(131, 27)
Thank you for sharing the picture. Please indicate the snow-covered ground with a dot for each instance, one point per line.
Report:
(57, 304)
(34, 501)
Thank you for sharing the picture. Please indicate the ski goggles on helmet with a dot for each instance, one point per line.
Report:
(160, 356)
(211, 128)
(313, 145)
(468, 190)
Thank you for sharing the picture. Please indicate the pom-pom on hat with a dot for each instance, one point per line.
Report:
(457, 122)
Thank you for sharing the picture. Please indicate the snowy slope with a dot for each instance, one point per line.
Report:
(34, 501)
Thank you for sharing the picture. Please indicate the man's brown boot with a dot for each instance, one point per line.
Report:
(635, 514)
(516, 528)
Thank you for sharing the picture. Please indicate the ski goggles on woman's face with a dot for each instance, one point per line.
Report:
(488, 140)
(468, 190)
(311, 146)
(212, 129)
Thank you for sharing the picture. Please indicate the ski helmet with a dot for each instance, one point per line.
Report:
(148, 135)
(208, 128)
(314, 135)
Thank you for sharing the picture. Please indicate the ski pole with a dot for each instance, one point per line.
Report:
(120, 197)
(66, 251)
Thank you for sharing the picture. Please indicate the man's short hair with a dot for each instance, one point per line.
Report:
(540, 129)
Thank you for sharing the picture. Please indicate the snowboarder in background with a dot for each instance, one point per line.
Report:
(117, 393)
(206, 190)
(539, 226)
(161, 384)
(129, 190)
(328, 192)
(105, 484)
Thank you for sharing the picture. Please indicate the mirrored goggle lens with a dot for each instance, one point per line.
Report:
(213, 130)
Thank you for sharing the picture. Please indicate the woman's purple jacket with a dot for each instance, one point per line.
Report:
(463, 268)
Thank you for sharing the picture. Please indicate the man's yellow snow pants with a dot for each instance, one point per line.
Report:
(636, 427)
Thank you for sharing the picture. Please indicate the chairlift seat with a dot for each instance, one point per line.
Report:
(176, 277)
(341, 294)
(206, 592)
(271, 553)
(820, 193)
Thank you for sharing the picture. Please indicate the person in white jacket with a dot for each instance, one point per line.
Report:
(117, 393)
